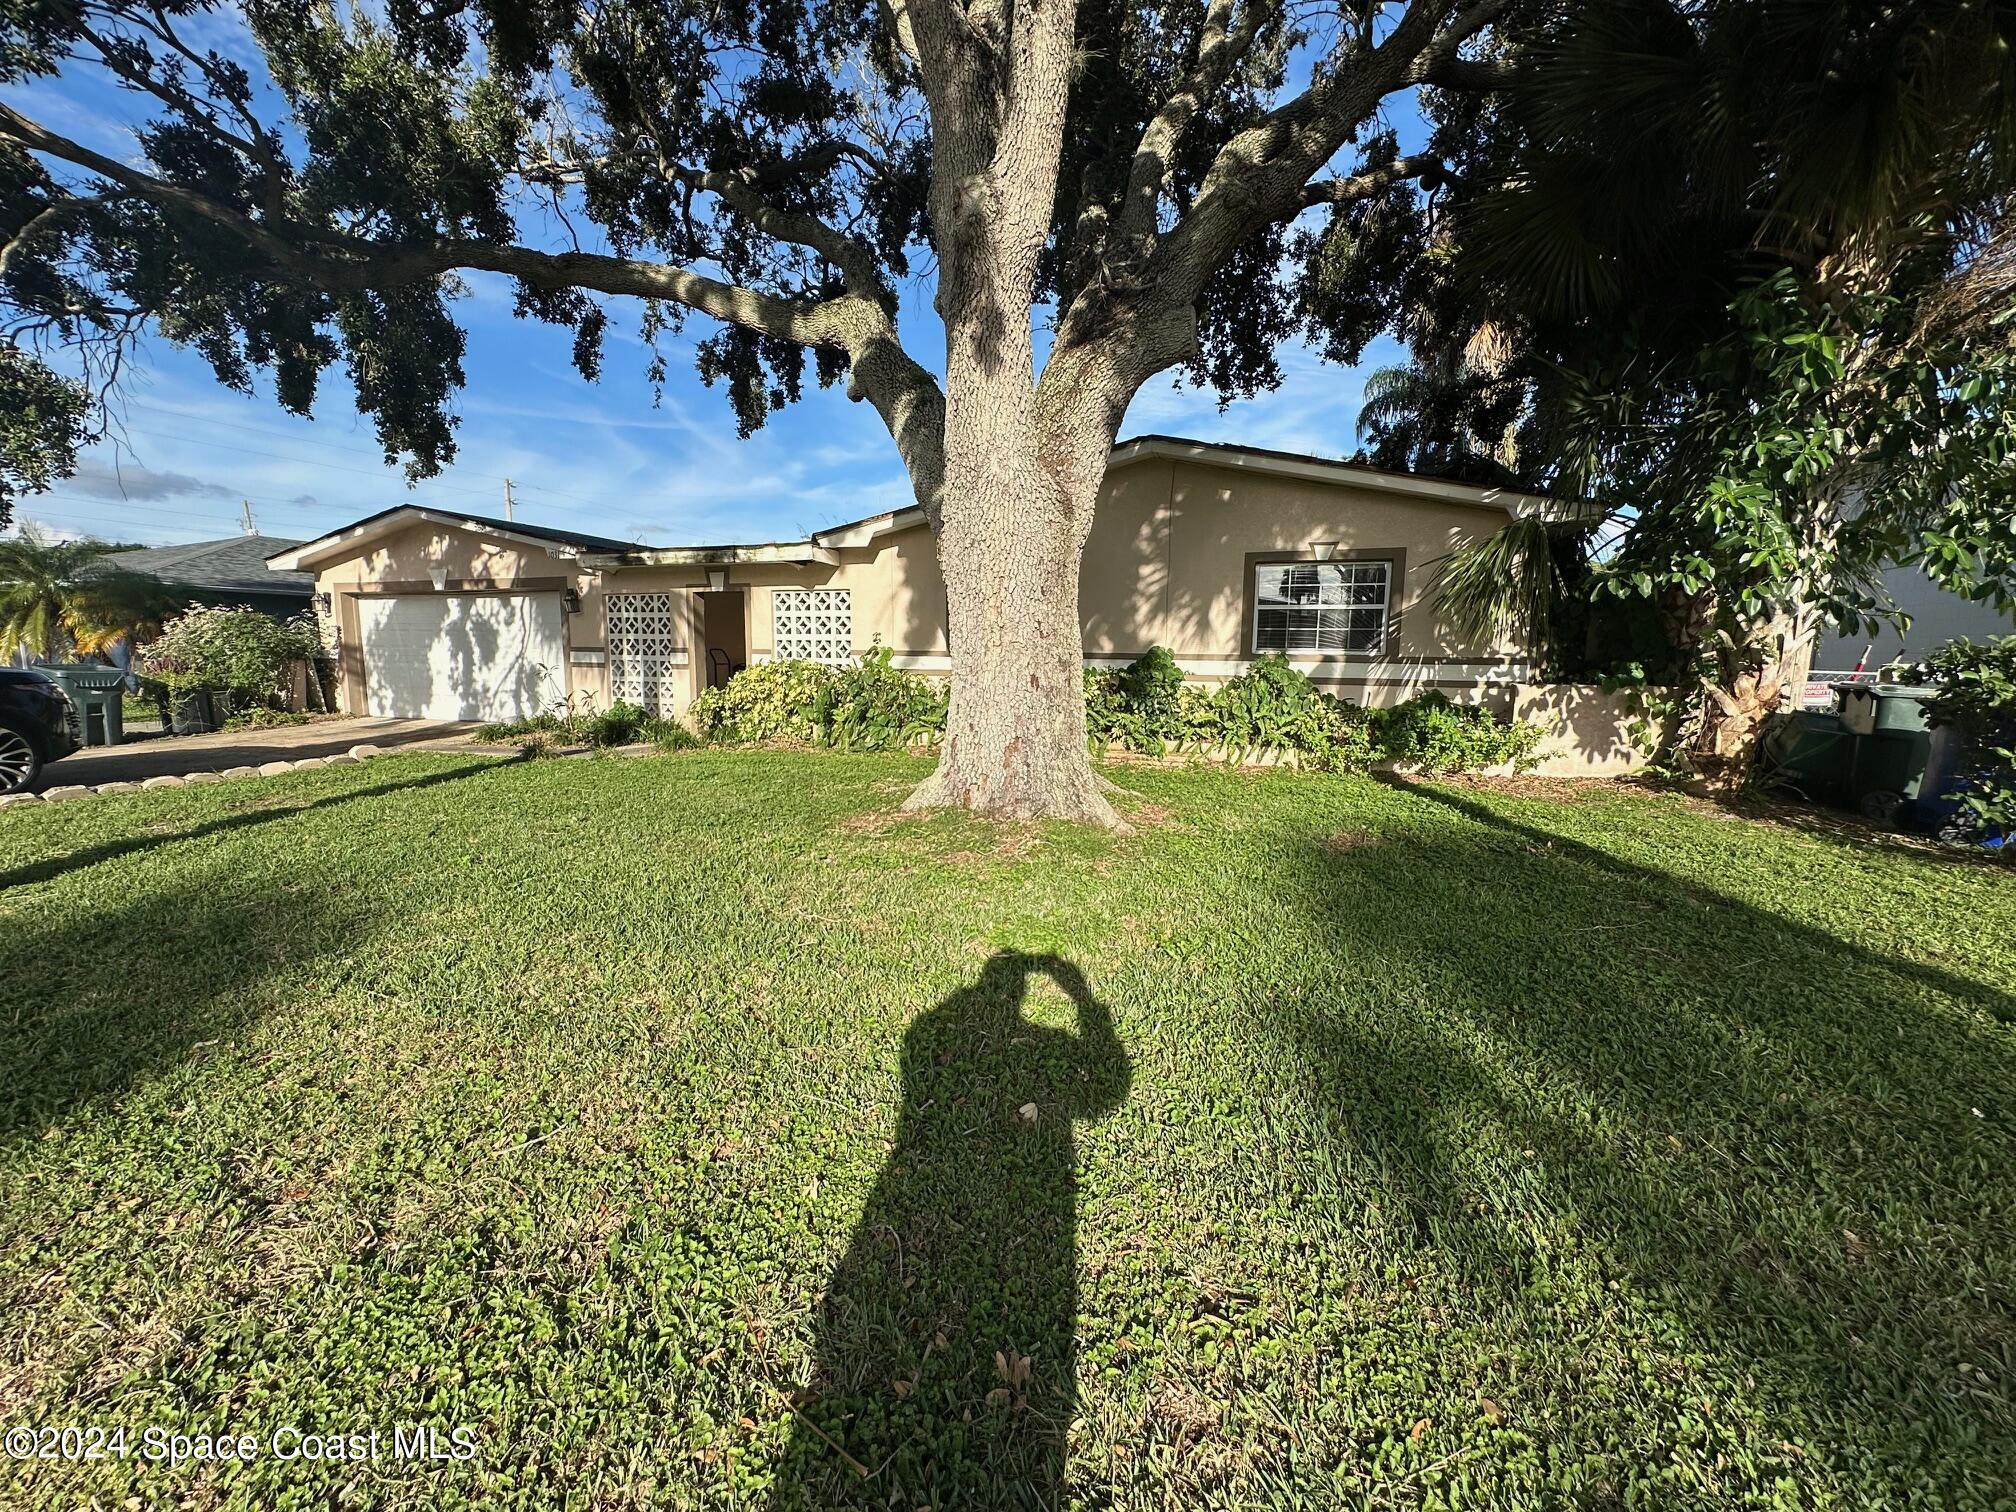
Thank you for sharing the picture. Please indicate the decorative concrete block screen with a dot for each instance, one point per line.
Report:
(646, 654)
(814, 624)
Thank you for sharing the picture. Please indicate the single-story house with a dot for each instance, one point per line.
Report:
(232, 571)
(1220, 553)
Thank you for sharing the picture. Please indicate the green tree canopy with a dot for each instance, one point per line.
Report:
(1746, 266)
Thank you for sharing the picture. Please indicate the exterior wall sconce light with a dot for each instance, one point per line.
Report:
(717, 579)
(323, 602)
(570, 600)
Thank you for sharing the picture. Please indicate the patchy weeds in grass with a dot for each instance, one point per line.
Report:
(663, 1122)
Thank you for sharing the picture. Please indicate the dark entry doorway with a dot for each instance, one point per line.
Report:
(724, 628)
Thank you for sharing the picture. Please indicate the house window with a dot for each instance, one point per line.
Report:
(1321, 606)
(813, 624)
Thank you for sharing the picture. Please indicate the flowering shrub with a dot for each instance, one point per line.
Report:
(232, 650)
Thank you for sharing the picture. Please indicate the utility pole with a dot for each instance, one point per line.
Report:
(510, 504)
(251, 529)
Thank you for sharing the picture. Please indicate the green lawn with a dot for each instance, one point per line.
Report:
(664, 1123)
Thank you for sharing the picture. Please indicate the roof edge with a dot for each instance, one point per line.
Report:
(1321, 470)
(820, 547)
(303, 557)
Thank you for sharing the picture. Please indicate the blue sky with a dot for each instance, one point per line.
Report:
(599, 457)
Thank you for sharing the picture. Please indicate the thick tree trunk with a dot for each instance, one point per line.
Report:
(1756, 678)
(1013, 530)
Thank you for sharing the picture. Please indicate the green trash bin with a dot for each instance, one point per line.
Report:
(1810, 753)
(1878, 754)
(100, 695)
(1883, 708)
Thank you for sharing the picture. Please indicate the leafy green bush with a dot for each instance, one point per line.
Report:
(1435, 735)
(233, 650)
(1145, 706)
(776, 700)
(538, 725)
(1274, 706)
(875, 706)
(1141, 706)
(870, 706)
(1977, 697)
(620, 724)
(624, 723)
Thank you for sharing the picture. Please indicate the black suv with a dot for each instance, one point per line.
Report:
(38, 725)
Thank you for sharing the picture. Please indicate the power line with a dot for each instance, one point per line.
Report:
(32, 506)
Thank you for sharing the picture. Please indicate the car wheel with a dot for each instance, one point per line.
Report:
(20, 762)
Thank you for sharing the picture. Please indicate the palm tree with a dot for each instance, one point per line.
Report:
(60, 595)
(1660, 159)
(1433, 418)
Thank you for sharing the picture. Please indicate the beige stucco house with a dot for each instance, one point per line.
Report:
(1218, 552)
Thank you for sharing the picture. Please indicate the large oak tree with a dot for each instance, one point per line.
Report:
(1123, 179)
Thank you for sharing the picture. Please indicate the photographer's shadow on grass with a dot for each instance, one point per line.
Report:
(944, 1372)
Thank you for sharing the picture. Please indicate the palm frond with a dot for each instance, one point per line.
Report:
(1506, 584)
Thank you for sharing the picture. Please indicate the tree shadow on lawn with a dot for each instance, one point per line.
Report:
(99, 1000)
(945, 1370)
(1793, 1155)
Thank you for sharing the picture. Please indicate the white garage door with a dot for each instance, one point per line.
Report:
(491, 656)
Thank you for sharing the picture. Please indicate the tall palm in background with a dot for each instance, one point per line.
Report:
(1445, 419)
(60, 597)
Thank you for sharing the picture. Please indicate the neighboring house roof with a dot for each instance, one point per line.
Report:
(304, 554)
(821, 545)
(236, 564)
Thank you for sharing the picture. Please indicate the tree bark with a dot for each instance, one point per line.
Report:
(1010, 545)
(1022, 461)
(1754, 677)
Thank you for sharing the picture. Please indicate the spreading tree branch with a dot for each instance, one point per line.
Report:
(1357, 186)
(334, 261)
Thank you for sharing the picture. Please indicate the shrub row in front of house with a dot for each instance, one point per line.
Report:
(1270, 711)
(1271, 708)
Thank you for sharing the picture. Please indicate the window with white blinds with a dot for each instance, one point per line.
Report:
(1338, 607)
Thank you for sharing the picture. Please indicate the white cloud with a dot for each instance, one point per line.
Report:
(49, 530)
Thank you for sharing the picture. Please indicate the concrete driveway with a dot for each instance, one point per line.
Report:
(179, 755)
